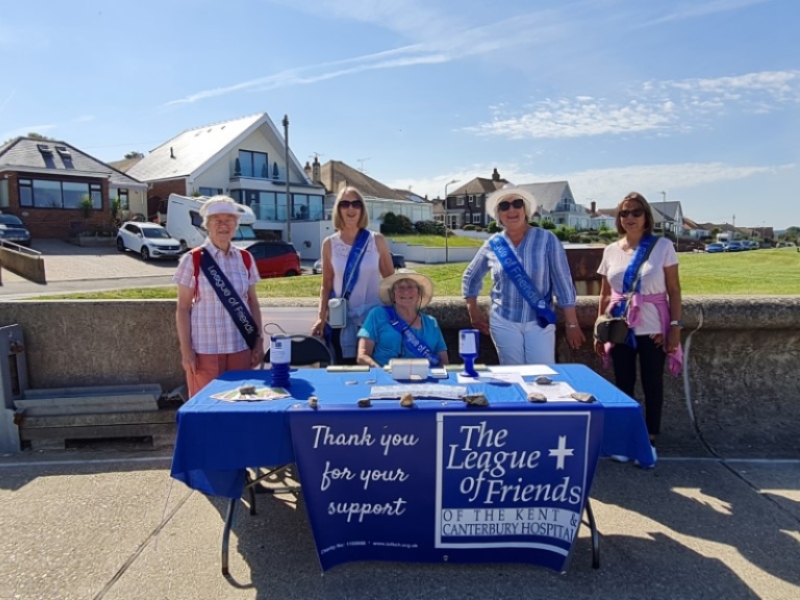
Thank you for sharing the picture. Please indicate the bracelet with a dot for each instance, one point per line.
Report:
(572, 325)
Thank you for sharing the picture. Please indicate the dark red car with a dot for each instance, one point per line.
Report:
(275, 259)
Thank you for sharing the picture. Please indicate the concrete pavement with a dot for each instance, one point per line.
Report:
(109, 524)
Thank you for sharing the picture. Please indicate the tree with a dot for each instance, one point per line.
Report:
(134, 154)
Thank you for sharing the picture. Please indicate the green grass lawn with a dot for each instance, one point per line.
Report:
(759, 273)
(437, 241)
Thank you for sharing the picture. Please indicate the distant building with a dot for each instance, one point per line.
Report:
(467, 204)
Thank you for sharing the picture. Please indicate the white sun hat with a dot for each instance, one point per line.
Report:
(509, 193)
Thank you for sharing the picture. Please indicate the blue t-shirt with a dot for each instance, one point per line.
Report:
(389, 343)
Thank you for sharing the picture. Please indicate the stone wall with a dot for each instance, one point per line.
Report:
(743, 367)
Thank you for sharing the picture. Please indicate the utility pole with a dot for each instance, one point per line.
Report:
(664, 211)
(289, 203)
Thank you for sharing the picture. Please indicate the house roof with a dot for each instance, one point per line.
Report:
(479, 185)
(24, 155)
(667, 209)
(548, 194)
(335, 173)
(192, 151)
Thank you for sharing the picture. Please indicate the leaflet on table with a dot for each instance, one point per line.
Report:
(438, 391)
(491, 376)
(523, 369)
(257, 394)
(557, 391)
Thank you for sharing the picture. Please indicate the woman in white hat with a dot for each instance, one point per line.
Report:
(216, 337)
(354, 260)
(399, 328)
(529, 268)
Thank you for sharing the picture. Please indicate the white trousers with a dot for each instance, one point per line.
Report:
(523, 343)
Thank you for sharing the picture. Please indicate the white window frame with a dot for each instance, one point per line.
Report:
(476, 219)
(459, 200)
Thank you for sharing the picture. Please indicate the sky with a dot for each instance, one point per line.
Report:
(696, 101)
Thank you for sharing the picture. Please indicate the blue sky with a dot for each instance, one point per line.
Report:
(699, 99)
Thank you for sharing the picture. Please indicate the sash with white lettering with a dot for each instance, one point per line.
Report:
(414, 345)
(513, 268)
(230, 299)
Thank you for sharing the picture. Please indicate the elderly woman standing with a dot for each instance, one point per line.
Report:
(399, 328)
(528, 266)
(214, 336)
(643, 270)
(354, 260)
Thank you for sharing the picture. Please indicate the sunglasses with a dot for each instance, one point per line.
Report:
(636, 212)
(504, 206)
(351, 203)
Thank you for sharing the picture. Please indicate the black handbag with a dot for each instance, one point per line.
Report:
(615, 329)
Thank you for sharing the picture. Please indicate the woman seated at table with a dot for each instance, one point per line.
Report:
(399, 329)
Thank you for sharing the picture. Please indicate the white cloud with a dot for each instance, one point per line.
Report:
(659, 106)
(693, 10)
(444, 46)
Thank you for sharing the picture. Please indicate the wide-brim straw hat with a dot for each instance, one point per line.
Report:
(423, 281)
(510, 193)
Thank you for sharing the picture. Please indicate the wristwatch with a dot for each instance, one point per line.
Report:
(676, 323)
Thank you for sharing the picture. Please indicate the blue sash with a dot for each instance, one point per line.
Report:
(631, 282)
(230, 299)
(515, 271)
(351, 269)
(413, 344)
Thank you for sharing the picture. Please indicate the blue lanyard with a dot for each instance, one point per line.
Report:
(353, 261)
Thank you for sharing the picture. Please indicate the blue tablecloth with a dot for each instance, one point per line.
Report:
(218, 440)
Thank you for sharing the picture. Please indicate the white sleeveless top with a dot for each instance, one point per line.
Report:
(365, 293)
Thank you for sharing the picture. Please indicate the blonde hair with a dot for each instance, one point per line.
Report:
(338, 222)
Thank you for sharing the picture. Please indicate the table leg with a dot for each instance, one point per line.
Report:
(226, 534)
(595, 535)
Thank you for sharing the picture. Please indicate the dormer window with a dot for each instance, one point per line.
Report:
(45, 149)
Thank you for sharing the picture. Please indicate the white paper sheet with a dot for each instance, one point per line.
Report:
(523, 369)
(558, 391)
(492, 377)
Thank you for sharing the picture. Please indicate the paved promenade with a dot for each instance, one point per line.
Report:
(109, 524)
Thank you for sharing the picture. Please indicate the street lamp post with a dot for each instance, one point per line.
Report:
(446, 224)
(289, 207)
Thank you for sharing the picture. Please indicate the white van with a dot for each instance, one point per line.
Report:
(185, 224)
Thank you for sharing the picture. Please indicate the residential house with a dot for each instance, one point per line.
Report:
(467, 204)
(600, 217)
(668, 216)
(46, 183)
(695, 230)
(380, 199)
(555, 202)
(243, 158)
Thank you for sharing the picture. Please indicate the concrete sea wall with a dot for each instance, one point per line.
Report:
(742, 383)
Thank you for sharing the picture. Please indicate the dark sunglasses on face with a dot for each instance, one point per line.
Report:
(504, 206)
(636, 212)
(351, 203)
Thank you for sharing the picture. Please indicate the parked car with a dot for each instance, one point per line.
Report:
(14, 230)
(735, 247)
(398, 260)
(754, 245)
(712, 248)
(149, 240)
(274, 259)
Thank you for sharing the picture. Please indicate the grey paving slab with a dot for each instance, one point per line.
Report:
(111, 525)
